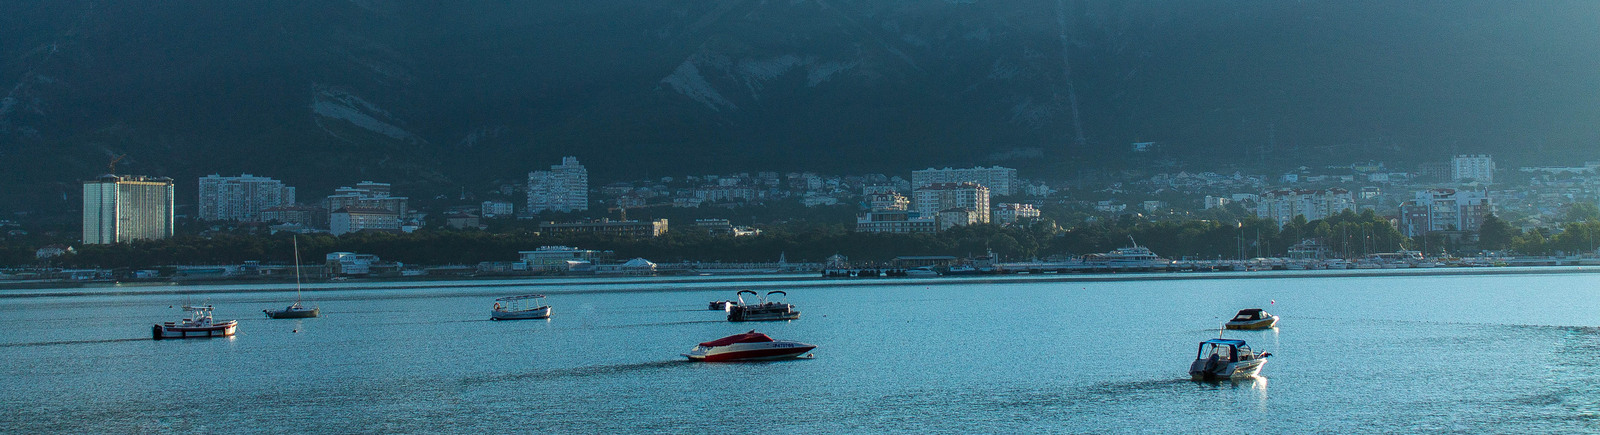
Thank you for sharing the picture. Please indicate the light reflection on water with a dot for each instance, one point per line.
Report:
(1400, 354)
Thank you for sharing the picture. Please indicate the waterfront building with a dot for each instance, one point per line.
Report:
(1007, 213)
(241, 198)
(934, 198)
(123, 208)
(634, 229)
(564, 188)
(493, 209)
(558, 257)
(1000, 181)
(1284, 204)
(1444, 210)
(900, 222)
(1479, 167)
(366, 195)
(353, 219)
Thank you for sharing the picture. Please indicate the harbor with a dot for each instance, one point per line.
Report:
(395, 358)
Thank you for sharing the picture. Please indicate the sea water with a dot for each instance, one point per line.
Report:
(1422, 353)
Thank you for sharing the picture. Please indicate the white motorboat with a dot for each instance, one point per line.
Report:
(1252, 318)
(762, 309)
(520, 307)
(749, 346)
(922, 272)
(198, 325)
(1221, 358)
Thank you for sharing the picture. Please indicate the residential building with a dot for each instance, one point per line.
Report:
(634, 229)
(934, 198)
(122, 208)
(494, 209)
(564, 188)
(957, 217)
(353, 219)
(462, 221)
(1000, 181)
(888, 201)
(241, 198)
(1478, 167)
(1007, 213)
(367, 195)
(900, 222)
(296, 214)
(1284, 204)
(1444, 210)
(1216, 201)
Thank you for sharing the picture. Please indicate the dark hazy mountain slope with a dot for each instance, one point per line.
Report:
(451, 94)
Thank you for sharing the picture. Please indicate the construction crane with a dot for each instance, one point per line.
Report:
(111, 168)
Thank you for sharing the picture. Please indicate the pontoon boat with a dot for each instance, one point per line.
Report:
(762, 309)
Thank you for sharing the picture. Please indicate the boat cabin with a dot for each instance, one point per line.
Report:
(1251, 314)
(1224, 350)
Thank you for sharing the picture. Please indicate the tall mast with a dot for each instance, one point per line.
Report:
(296, 239)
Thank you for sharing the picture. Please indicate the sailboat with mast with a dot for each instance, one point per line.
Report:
(295, 310)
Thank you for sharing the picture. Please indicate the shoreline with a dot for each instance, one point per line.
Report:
(761, 282)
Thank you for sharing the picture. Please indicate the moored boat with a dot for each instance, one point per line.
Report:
(1252, 318)
(749, 346)
(762, 309)
(921, 272)
(719, 305)
(1221, 358)
(295, 310)
(198, 325)
(520, 308)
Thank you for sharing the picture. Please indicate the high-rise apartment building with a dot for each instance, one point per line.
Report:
(565, 187)
(125, 208)
(241, 198)
(934, 198)
(1000, 181)
(1444, 210)
(1284, 204)
(367, 194)
(1478, 167)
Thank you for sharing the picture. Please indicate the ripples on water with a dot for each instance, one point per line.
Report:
(1372, 354)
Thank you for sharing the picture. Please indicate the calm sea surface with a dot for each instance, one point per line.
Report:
(1492, 353)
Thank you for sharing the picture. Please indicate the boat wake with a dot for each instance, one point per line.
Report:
(66, 342)
(576, 372)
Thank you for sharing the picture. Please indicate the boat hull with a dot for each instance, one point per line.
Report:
(767, 351)
(762, 316)
(290, 313)
(162, 332)
(536, 313)
(1235, 370)
(1266, 323)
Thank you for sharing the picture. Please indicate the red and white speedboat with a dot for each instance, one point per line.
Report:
(749, 346)
(198, 325)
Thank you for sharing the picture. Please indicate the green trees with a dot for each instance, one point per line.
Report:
(1496, 234)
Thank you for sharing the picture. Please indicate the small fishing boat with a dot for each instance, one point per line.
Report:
(1221, 358)
(1252, 318)
(761, 310)
(295, 310)
(720, 305)
(198, 325)
(520, 307)
(749, 346)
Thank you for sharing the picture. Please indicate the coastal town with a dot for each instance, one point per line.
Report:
(1459, 210)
